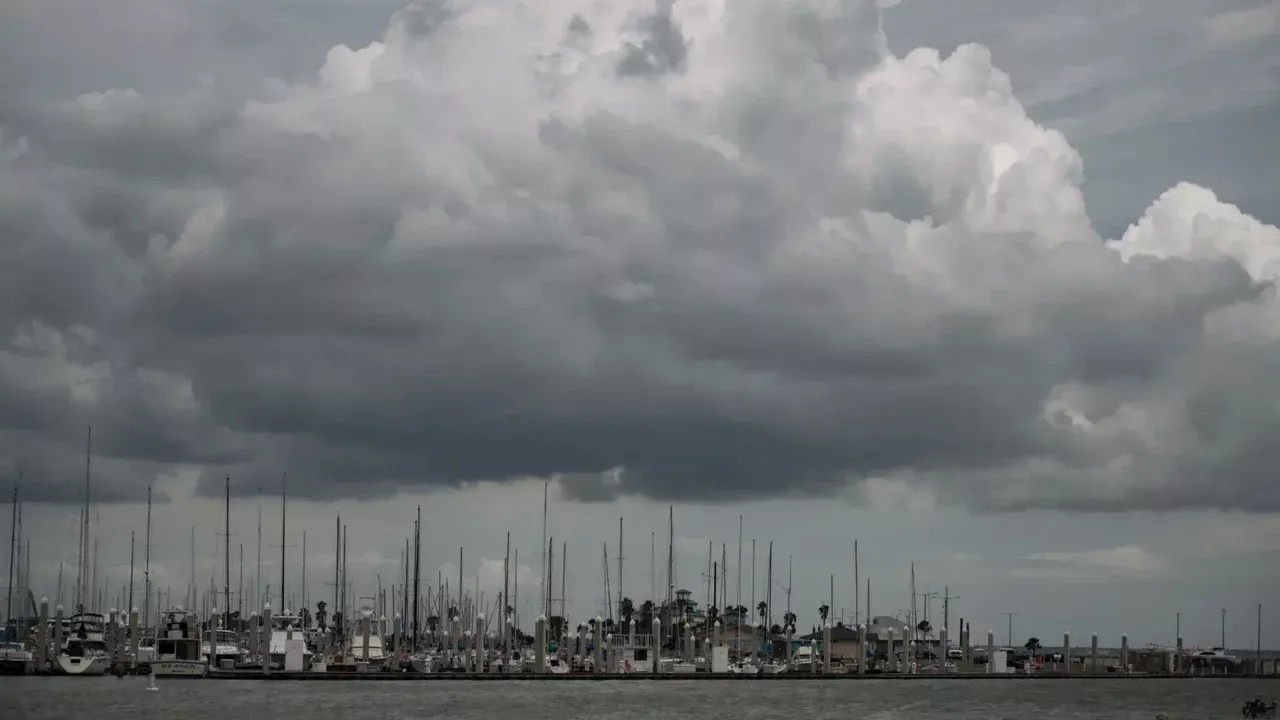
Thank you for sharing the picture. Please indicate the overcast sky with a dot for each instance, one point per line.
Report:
(988, 286)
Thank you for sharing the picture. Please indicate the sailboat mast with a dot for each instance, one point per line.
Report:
(671, 558)
(564, 572)
(13, 540)
(337, 558)
(857, 603)
(619, 615)
(283, 501)
(191, 591)
(240, 587)
(768, 593)
(304, 570)
(738, 595)
(129, 607)
(146, 571)
(546, 600)
(417, 578)
(84, 532)
(226, 560)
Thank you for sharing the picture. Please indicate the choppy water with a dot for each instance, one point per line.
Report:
(109, 698)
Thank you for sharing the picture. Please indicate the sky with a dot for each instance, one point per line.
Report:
(986, 286)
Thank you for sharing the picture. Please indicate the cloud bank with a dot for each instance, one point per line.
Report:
(692, 251)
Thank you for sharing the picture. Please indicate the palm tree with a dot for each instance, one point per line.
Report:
(712, 614)
(789, 620)
(627, 611)
(453, 612)
(646, 614)
(433, 622)
(762, 609)
(1032, 645)
(823, 611)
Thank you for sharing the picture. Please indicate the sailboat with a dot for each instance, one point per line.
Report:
(85, 652)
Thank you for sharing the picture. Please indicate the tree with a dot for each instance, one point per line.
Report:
(1032, 645)
(924, 627)
(433, 622)
(713, 613)
(322, 615)
(646, 614)
(789, 620)
(337, 625)
(762, 609)
(627, 611)
(555, 627)
(823, 611)
(453, 612)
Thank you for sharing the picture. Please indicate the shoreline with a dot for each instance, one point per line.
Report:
(647, 677)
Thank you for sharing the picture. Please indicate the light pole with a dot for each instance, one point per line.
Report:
(1009, 637)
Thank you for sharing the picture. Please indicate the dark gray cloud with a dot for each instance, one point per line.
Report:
(779, 262)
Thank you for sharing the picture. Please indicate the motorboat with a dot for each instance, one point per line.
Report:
(85, 652)
(556, 666)
(283, 628)
(803, 660)
(226, 645)
(15, 659)
(178, 652)
(377, 652)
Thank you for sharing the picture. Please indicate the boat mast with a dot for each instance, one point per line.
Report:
(417, 576)
(506, 599)
(283, 501)
(146, 572)
(13, 539)
(257, 583)
(337, 559)
(129, 608)
(88, 453)
(226, 555)
(857, 586)
(545, 590)
(304, 571)
(564, 573)
(619, 615)
(738, 596)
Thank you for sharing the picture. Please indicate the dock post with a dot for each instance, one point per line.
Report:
(1093, 654)
(863, 634)
(1177, 659)
(964, 646)
(111, 637)
(598, 640)
(888, 634)
(42, 636)
(826, 647)
(120, 639)
(479, 643)
(1124, 653)
(991, 651)
(657, 646)
(135, 635)
(57, 634)
(1066, 652)
(942, 639)
(540, 644)
(265, 633)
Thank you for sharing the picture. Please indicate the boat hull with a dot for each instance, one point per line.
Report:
(89, 666)
(178, 668)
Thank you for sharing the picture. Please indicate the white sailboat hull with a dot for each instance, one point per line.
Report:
(89, 665)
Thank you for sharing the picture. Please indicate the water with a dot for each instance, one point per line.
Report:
(109, 698)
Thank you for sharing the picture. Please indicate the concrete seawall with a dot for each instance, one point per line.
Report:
(647, 677)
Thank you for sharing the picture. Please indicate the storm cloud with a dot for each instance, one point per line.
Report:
(696, 250)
